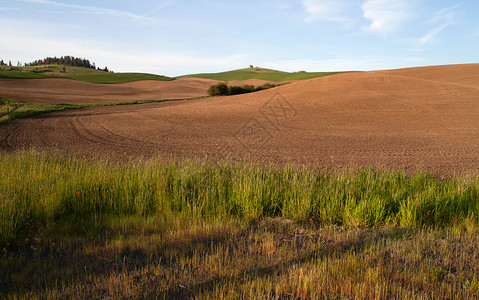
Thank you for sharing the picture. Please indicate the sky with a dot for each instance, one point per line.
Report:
(177, 37)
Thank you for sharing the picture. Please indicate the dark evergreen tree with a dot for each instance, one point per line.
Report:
(67, 61)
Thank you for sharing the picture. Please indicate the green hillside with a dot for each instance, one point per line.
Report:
(98, 76)
(76, 73)
(259, 73)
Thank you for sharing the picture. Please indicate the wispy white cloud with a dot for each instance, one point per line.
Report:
(429, 37)
(93, 9)
(324, 10)
(8, 8)
(442, 19)
(160, 7)
(445, 14)
(387, 16)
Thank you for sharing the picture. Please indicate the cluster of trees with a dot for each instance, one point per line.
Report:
(222, 89)
(64, 60)
(2, 63)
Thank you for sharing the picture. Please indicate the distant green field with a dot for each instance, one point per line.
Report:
(259, 73)
(98, 76)
(23, 75)
(118, 77)
(11, 110)
(75, 73)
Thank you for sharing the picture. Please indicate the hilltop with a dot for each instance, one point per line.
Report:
(75, 73)
(259, 73)
(101, 76)
(49, 83)
(83, 70)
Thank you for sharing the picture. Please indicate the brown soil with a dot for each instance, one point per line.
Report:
(57, 90)
(398, 119)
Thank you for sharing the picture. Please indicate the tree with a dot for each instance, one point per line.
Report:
(236, 90)
(2, 63)
(220, 89)
(9, 63)
(64, 60)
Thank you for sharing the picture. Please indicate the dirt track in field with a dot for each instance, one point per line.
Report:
(399, 119)
(59, 90)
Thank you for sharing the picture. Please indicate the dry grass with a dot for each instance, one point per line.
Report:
(75, 228)
(271, 258)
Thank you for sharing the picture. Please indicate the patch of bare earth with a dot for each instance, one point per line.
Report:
(399, 119)
(59, 90)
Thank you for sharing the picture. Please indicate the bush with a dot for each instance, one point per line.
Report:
(248, 88)
(264, 87)
(236, 90)
(220, 89)
(268, 86)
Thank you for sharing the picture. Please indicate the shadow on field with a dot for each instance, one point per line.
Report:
(70, 266)
(22, 268)
(357, 243)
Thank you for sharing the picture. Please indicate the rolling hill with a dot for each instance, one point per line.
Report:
(259, 73)
(408, 119)
(99, 76)
(75, 73)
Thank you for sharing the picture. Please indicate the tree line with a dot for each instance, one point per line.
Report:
(2, 63)
(64, 60)
(223, 89)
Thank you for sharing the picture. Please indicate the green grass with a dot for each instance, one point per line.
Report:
(11, 110)
(260, 73)
(75, 73)
(24, 75)
(117, 77)
(39, 188)
(198, 229)
(96, 76)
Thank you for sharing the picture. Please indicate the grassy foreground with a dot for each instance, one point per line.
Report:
(75, 73)
(259, 73)
(197, 229)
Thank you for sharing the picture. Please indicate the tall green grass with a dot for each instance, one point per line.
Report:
(38, 188)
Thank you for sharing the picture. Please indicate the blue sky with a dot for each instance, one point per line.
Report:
(175, 37)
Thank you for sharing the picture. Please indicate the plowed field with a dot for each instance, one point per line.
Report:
(59, 90)
(398, 119)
